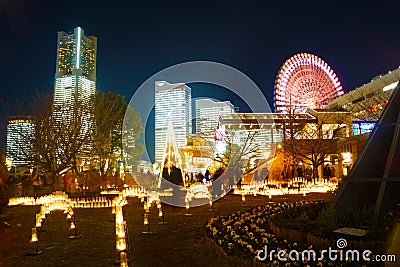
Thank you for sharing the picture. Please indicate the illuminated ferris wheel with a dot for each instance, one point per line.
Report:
(305, 81)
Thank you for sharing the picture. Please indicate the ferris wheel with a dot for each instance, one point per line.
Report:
(305, 81)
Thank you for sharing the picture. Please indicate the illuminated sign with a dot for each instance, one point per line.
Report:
(346, 157)
(363, 127)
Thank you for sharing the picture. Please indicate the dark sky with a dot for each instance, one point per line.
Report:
(135, 40)
(358, 39)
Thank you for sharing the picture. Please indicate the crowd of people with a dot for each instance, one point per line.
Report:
(306, 171)
(35, 183)
(176, 176)
(30, 181)
(329, 172)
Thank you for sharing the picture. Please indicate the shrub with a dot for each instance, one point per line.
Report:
(330, 219)
(299, 216)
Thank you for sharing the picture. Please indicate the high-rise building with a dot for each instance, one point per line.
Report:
(20, 131)
(75, 78)
(172, 103)
(208, 113)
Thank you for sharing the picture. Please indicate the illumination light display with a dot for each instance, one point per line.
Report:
(305, 81)
(60, 201)
(295, 187)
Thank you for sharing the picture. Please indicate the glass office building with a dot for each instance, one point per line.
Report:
(20, 132)
(172, 103)
(75, 78)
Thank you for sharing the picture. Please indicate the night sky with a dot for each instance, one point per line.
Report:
(358, 39)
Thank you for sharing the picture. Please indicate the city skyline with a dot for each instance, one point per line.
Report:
(256, 38)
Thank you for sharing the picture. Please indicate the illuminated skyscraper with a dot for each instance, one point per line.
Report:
(173, 103)
(75, 78)
(208, 113)
(20, 131)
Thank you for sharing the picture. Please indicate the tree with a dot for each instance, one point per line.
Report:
(107, 138)
(66, 137)
(313, 142)
(57, 137)
(240, 149)
(132, 129)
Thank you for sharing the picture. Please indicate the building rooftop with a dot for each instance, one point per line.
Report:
(264, 120)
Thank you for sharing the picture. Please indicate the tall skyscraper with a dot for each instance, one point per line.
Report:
(173, 103)
(20, 131)
(208, 113)
(75, 78)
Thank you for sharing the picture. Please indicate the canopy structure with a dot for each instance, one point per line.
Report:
(375, 177)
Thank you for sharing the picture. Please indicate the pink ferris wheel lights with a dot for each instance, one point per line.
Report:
(305, 81)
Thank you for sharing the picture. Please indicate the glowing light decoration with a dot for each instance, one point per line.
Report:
(296, 186)
(346, 157)
(123, 259)
(171, 156)
(305, 81)
(38, 220)
(78, 48)
(120, 224)
(34, 237)
(121, 244)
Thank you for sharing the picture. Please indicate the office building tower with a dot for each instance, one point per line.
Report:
(208, 113)
(20, 132)
(75, 78)
(172, 103)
